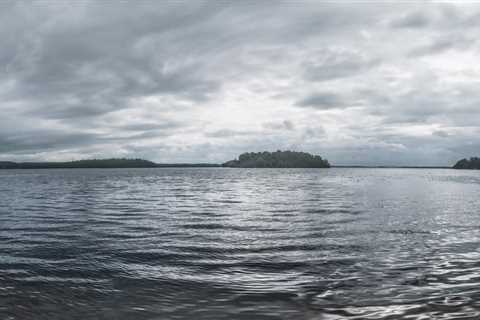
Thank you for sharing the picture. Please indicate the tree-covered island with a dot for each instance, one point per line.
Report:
(472, 163)
(278, 159)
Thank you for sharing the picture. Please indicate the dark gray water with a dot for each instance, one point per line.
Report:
(240, 244)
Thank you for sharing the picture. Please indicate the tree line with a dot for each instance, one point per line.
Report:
(278, 159)
(472, 163)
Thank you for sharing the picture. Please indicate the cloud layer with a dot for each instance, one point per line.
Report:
(390, 84)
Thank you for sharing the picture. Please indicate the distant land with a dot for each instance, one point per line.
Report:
(390, 167)
(98, 163)
(472, 163)
(277, 159)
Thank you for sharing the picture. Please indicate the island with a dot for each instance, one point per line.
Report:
(472, 164)
(98, 163)
(278, 159)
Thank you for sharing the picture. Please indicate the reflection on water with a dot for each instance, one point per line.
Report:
(239, 244)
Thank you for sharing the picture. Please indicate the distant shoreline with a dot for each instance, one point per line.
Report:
(52, 165)
(392, 167)
(277, 159)
(100, 164)
(161, 166)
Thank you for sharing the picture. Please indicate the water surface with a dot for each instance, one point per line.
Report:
(239, 244)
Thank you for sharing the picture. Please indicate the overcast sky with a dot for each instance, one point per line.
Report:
(358, 83)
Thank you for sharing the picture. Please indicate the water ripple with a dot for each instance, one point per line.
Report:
(239, 244)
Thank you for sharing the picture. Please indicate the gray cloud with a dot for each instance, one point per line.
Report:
(148, 125)
(417, 19)
(440, 133)
(442, 16)
(41, 141)
(330, 64)
(227, 133)
(323, 101)
(202, 81)
(441, 45)
(283, 125)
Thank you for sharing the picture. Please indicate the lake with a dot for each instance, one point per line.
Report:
(220, 243)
